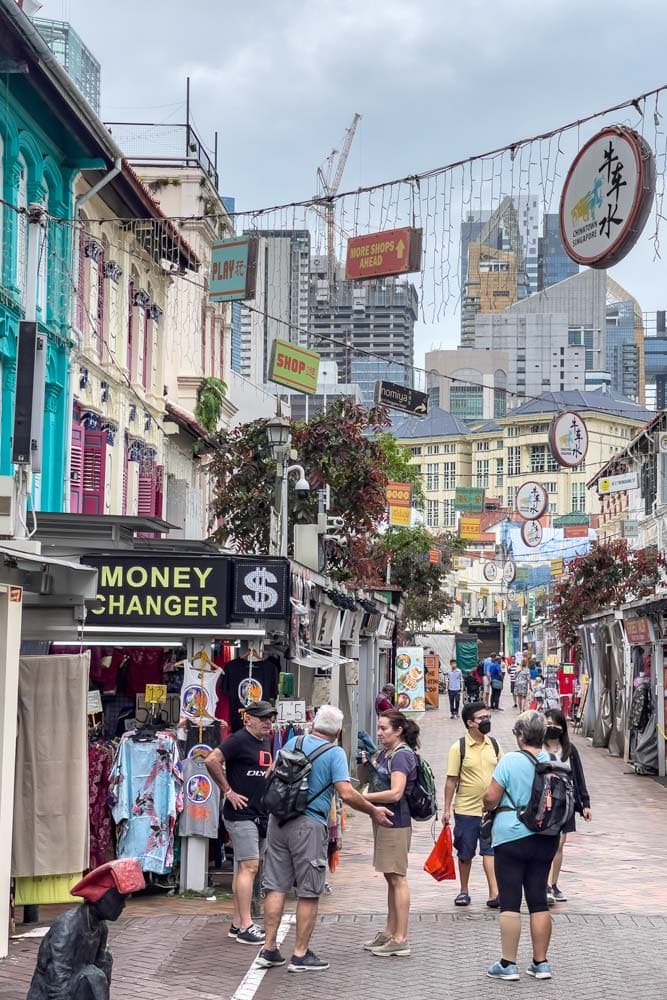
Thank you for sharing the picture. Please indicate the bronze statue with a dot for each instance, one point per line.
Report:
(74, 962)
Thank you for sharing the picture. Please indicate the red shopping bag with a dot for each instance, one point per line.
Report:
(440, 862)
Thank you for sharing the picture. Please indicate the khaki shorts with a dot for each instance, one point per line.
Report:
(296, 855)
(390, 855)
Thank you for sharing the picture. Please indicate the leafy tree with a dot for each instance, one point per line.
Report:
(339, 448)
(407, 551)
(399, 468)
(608, 576)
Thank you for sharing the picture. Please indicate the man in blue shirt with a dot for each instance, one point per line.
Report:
(296, 852)
(486, 694)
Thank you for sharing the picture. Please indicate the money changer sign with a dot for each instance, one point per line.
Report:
(260, 588)
(151, 590)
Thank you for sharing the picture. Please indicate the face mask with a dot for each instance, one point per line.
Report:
(553, 733)
(484, 726)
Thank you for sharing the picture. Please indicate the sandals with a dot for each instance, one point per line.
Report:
(463, 899)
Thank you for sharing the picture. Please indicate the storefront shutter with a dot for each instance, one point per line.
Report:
(147, 484)
(159, 490)
(76, 469)
(94, 471)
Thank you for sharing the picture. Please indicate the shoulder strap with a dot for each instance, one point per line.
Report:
(318, 751)
(496, 747)
(531, 757)
(462, 751)
(299, 743)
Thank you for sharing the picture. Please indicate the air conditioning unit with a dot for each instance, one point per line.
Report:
(7, 507)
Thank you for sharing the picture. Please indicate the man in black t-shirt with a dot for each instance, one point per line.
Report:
(238, 766)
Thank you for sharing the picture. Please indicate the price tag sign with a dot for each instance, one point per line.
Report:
(94, 703)
(156, 694)
(291, 711)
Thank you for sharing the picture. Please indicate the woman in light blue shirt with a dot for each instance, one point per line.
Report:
(522, 859)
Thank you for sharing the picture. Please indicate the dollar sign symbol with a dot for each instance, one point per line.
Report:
(264, 596)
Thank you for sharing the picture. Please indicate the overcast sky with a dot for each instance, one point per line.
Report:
(435, 81)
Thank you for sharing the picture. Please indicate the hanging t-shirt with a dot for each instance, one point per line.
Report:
(201, 801)
(241, 688)
(247, 760)
(198, 694)
(144, 667)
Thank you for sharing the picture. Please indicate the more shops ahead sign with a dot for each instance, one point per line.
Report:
(151, 590)
(377, 255)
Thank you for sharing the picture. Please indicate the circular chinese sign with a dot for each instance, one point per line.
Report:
(568, 439)
(607, 197)
(532, 500)
(531, 533)
(509, 571)
(490, 572)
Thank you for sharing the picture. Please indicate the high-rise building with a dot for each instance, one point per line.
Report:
(502, 244)
(76, 57)
(377, 317)
(655, 359)
(280, 309)
(553, 262)
(625, 342)
(467, 383)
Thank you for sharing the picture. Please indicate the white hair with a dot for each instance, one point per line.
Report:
(329, 720)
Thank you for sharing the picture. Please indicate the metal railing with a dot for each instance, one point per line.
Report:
(167, 144)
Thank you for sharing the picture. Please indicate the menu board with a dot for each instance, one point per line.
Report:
(410, 695)
(432, 670)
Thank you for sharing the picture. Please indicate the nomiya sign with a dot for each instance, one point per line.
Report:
(400, 397)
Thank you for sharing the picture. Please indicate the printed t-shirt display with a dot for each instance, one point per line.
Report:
(241, 688)
(201, 801)
(403, 760)
(198, 694)
(329, 768)
(247, 760)
(146, 798)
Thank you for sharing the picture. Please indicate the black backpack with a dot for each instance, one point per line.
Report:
(286, 793)
(551, 803)
(422, 798)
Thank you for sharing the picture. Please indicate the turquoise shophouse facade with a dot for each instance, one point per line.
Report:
(48, 135)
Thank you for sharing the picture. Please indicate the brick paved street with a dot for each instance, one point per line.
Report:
(609, 939)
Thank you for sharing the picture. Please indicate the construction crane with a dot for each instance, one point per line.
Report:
(330, 188)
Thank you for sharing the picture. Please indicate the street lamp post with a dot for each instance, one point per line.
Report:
(279, 436)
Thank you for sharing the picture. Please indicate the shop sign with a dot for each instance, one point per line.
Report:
(395, 251)
(470, 526)
(607, 197)
(260, 587)
(617, 484)
(432, 679)
(434, 556)
(233, 269)
(557, 567)
(532, 500)
(399, 494)
(400, 516)
(568, 439)
(410, 684)
(531, 533)
(294, 367)
(575, 531)
(509, 571)
(630, 529)
(150, 590)
(637, 630)
(401, 397)
(490, 572)
(469, 499)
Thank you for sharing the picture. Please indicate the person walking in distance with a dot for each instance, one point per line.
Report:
(557, 742)
(393, 774)
(486, 664)
(296, 852)
(513, 670)
(238, 766)
(454, 684)
(522, 684)
(384, 699)
(496, 677)
(522, 858)
(470, 766)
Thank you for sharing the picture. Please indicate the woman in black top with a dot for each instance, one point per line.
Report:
(557, 741)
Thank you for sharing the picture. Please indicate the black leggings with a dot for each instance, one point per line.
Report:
(454, 699)
(523, 866)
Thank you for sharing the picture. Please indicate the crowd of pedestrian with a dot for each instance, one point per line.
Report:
(489, 803)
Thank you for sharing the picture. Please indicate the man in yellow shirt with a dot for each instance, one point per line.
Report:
(470, 766)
